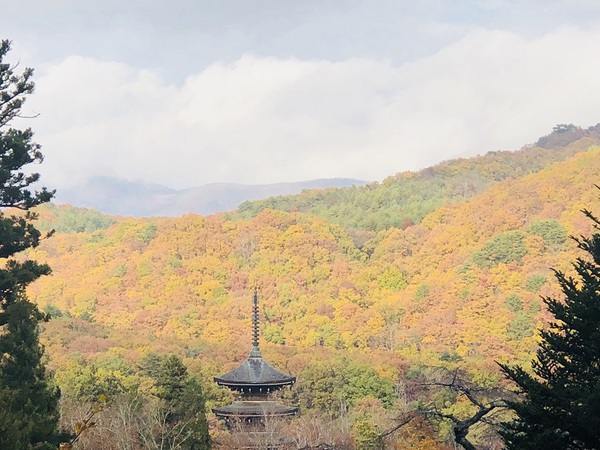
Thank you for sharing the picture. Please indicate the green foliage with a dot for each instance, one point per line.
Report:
(406, 198)
(89, 382)
(364, 381)
(520, 327)
(114, 362)
(333, 386)
(273, 333)
(513, 303)
(28, 401)
(552, 232)
(421, 292)
(365, 434)
(450, 356)
(120, 271)
(392, 316)
(534, 307)
(52, 311)
(170, 377)
(69, 219)
(504, 248)
(534, 283)
(175, 261)
(559, 406)
(148, 233)
(86, 315)
(182, 401)
(393, 279)
(144, 268)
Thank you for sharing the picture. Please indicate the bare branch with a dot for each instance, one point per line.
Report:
(405, 420)
(477, 396)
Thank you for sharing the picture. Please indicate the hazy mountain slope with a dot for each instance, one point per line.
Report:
(407, 197)
(121, 197)
(463, 285)
(69, 219)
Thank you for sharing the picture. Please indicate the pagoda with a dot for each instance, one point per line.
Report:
(254, 380)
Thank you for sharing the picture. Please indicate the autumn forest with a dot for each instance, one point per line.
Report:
(372, 296)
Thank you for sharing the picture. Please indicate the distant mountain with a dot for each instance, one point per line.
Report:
(121, 197)
(398, 201)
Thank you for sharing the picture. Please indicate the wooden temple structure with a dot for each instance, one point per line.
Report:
(254, 380)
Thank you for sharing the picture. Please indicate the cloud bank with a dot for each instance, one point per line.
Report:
(263, 119)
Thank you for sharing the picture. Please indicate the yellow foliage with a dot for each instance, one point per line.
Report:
(411, 294)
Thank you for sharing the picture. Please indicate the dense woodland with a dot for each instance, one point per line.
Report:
(366, 293)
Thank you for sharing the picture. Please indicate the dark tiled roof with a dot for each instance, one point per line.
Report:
(255, 409)
(255, 372)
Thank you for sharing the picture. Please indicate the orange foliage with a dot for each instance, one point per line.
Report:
(185, 283)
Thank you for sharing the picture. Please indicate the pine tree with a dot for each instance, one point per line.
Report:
(561, 401)
(28, 403)
(182, 404)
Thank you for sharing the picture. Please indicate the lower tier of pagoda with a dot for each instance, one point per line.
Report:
(254, 409)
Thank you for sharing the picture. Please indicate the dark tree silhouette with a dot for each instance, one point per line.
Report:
(560, 402)
(28, 402)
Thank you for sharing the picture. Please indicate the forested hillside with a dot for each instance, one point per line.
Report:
(460, 287)
(406, 198)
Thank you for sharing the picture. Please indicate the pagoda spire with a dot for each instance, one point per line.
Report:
(254, 380)
(255, 352)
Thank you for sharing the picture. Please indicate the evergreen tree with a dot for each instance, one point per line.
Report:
(561, 401)
(28, 402)
(182, 404)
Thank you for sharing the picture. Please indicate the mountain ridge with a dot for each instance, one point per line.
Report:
(406, 198)
(399, 200)
(117, 196)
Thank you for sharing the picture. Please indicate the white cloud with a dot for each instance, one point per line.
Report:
(260, 120)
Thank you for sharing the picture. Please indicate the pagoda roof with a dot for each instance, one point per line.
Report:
(254, 373)
(255, 409)
(255, 376)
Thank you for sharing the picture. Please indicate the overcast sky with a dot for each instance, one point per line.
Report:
(189, 92)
